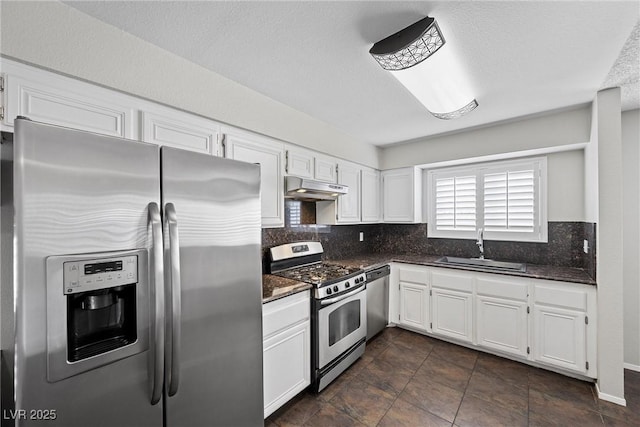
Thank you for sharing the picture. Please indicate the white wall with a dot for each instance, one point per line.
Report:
(55, 36)
(609, 246)
(548, 130)
(631, 238)
(565, 169)
(565, 189)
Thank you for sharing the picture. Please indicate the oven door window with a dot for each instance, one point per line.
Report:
(343, 321)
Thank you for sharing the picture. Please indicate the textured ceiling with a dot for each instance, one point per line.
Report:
(521, 57)
(625, 73)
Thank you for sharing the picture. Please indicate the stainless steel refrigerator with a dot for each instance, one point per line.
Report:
(131, 283)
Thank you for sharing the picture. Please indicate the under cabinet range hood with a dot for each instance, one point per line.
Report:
(308, 189)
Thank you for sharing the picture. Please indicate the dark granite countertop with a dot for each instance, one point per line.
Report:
(548, 272)
(276, 287)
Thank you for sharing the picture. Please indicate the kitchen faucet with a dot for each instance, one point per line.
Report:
(480, 243)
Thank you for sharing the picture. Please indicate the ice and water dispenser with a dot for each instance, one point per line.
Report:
(97, 310)
(100, 318)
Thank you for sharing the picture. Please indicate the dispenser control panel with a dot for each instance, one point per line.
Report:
(93, 274)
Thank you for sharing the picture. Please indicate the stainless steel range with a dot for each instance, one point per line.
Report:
(338, 307)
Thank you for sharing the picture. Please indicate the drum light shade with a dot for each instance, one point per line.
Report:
(439, 83)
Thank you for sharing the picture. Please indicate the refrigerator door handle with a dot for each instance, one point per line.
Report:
(157, 286)
(172, 358)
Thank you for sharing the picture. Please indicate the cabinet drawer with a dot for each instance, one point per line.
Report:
(413, 274)
(502, 288)
(556, 296)
(283, 313)
(455, 281)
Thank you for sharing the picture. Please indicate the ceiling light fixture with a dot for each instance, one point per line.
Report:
(437, 83)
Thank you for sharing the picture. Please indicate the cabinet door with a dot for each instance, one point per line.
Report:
(325, 169)
(180, 130)
(501, 314)
(452, 314)
(560, 337)
(49, 98)
(349, 204)
(502, 324)
(269, 155)
(286, 365)
(371, 206)
(401, 195)
(299, 163)
(414, 306)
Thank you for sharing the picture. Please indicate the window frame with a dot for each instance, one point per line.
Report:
(539, 165)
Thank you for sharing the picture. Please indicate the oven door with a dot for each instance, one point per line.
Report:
(341, 324)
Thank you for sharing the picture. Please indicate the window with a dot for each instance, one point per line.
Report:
(506, 199)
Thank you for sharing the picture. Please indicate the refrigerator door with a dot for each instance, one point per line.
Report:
(214, 341)
(78, 193)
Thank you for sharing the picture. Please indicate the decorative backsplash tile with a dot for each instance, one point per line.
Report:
(564, 248)
(589, 260)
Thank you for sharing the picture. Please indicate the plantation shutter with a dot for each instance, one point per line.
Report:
(509, 201)
(456, 203)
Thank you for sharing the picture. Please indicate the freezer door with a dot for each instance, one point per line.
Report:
(214, 340)
(78, 193)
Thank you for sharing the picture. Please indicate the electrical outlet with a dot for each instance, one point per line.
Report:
(361, 236)
(585, 246)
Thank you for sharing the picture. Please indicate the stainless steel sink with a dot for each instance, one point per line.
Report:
(489, 264)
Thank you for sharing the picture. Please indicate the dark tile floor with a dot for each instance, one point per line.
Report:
(407, 379)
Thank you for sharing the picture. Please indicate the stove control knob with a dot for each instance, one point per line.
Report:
(347, 284)
(335, 288)
(357, 280)
(328, 291)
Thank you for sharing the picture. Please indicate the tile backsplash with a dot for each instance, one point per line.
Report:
(564, 248)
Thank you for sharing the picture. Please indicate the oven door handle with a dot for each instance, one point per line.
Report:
(341, 297)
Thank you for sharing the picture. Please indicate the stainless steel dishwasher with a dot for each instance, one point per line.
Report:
(377, 300)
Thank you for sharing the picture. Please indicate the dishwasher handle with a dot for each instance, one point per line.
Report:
(378, 273)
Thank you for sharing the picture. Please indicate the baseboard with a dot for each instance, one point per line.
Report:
(609, 398)
(632, 367)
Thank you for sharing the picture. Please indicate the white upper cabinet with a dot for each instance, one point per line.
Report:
(166, 126)
(51, 98)
(402, 195)
(349, 204)
(299, 162)
(309, 164)
(325, 168)
(252, 148)
(370, 197)
(346, 209)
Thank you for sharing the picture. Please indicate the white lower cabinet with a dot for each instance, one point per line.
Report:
(542, 322)
(414, 306)
(501, 314)
(560, 318)
(452, 304)
(413, 296)
(286, 349)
